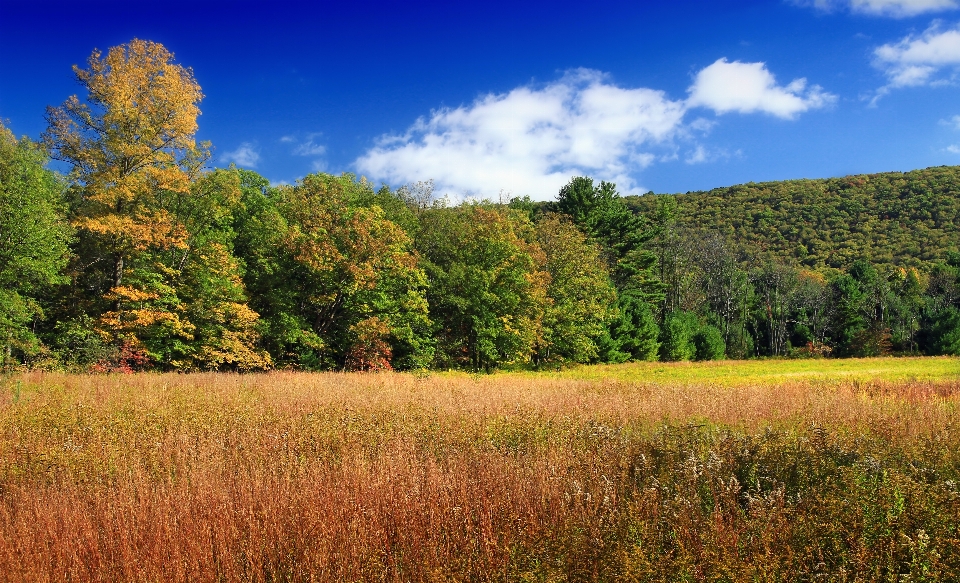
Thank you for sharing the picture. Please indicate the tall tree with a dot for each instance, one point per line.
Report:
(130, 144)
(583, 298)
(487, 290)
(600, 212)
(155, 267)
(777, 287)
(726, 290)
(33, 240)
(671, 246)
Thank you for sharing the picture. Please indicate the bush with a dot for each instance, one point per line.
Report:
(946, 332)
(679, 327)
(709, 343)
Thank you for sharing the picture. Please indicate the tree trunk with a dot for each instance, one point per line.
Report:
(117, 278)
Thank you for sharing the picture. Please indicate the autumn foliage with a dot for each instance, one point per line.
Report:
(144, 257)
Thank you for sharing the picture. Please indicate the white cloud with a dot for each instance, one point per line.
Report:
(891, 8)
(531, 140)
(953, 149)
(310, 147)
(750, 87)
(245, 156)
(953, 122)
(698, 156)
(702, 124)
(702, 155)
(915, 60)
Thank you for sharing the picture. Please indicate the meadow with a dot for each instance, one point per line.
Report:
(806, 470)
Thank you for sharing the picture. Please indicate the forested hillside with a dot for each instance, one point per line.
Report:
(903, 218)
(144, 257)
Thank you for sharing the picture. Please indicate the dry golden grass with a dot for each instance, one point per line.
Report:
(399, 477)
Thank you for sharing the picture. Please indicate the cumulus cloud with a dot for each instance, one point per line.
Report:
(750, 87)
(531, 140)
(245, 156)
(915, 60)
(891, 8)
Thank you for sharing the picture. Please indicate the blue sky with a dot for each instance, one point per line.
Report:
(515, 97)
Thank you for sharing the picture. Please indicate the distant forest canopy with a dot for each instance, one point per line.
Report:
(901, 218)
(144, 258)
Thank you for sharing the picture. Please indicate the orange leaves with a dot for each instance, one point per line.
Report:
(147, 95)
(370, 351)
(129, 294)
(131, 144)
(349, 244)
(136, 130)
(148, 213)
(233, 347)
(147, 230)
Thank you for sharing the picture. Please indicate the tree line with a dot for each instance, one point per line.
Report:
(143, 258)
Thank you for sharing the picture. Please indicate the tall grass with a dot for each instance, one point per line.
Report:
(395, 477)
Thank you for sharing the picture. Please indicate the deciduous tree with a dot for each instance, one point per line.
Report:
(487, 291)
(154, 266)
(581, 293)
(33, 240)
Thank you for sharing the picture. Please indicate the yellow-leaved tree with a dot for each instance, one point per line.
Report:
(150, 220)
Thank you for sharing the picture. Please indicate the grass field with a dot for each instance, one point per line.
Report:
(820, 470)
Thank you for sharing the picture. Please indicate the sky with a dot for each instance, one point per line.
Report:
(510, 98)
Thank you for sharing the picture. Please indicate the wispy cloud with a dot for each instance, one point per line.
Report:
(915, 60)
(531, 140)
(953, 122)
(245, 156)
(308, 146)
(888, 8)
(750, 87)
(704, 155)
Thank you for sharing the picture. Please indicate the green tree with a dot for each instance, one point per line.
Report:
(777, 288)
(600, 212)
(33, 240)
(945, 332)
(488, 293)
(633, 334)
(940, 322)
(726, 289)
(906, 310)
(337, 284)
(582, 295)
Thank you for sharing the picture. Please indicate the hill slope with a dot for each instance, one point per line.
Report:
(906, 218)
